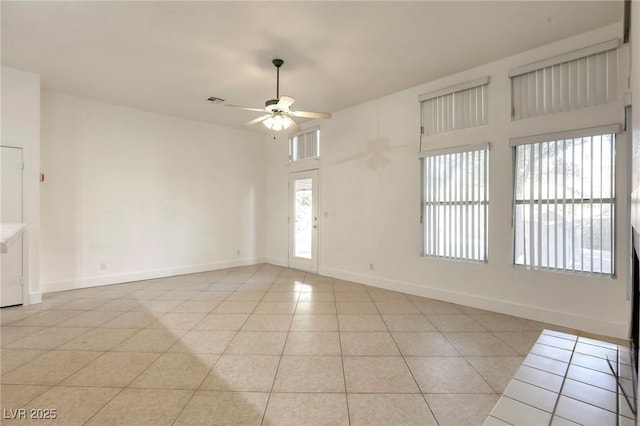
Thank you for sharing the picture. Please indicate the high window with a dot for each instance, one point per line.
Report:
(455, 108)
(305, 145)
(564, 195)
(578, 79)
(455, 203)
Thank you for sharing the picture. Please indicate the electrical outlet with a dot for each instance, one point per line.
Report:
(238, 251)
(103, 266)
(371, 266)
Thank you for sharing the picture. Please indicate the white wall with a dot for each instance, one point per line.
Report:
(21, 128)
(635, 91)
(145, 194)
(373, 208)
(635, 119)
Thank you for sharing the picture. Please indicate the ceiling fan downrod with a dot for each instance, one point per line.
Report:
(277, 63)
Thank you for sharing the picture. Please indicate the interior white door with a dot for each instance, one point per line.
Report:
(11, 213)
(303, 220)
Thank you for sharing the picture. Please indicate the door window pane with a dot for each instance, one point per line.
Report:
(303, 217)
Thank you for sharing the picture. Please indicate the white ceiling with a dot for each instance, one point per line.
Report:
(169, 57)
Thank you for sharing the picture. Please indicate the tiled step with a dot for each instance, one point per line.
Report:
(568, 380)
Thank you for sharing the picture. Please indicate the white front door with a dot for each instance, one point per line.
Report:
(11, 213)
(303, 221)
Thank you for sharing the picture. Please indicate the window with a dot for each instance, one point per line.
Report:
(305, 145)
(455, 108)
(578, 79)
(455, 203)
(564, 194)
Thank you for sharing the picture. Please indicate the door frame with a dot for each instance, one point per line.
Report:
(313, 264)
(24, 150)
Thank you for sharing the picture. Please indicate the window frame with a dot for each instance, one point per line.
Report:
(571, 81)
(293, 136)
(455, 108)
(465, 245)
(612, 200)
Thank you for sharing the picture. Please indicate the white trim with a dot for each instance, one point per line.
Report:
(34, 297)
(97, 281)
(455, 149)
(302, 136)
(455, 88)
(566, 319)
(569, 134)
(277, 261)
(566, 57)
(299, 263)
(303, 131)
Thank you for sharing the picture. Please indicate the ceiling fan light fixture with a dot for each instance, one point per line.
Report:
(277, 122)
(268, 122)
(278, 115)
(286, 121)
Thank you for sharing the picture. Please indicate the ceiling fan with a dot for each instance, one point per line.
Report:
(278, 114)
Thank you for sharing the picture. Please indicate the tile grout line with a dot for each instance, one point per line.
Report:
(81, 298)
(153, 362)
(344, 372)
(483, 329)
(424, 398)
(275, 376)
(564, 379)
(195, 390)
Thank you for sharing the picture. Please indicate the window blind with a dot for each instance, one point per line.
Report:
(455, 108)
(564, 202)
(455, 203)
(578, 79)
(305, 145)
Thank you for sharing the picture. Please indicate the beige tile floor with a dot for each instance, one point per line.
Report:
(256, 345)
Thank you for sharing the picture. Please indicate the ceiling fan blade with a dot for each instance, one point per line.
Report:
(257, 120)
(285, 102)
(294, 126)
(309, 114)
(246, 108)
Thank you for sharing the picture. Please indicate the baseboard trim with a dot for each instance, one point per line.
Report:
(565, 319)
(125, 277)
(577, 322)
(35, 297)
(277, 261)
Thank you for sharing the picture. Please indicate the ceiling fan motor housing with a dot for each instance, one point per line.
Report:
(279, 116)
(271, 105)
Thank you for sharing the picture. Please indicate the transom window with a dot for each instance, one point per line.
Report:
(455, 203)
(564, 212)
(305, 145)
(578, 79)
(455, 108)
